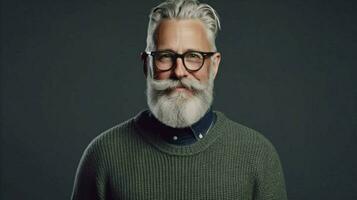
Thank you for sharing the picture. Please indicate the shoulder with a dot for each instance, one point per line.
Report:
(250, 145)
(117, 138)
(253, 149)
(244, 137)
(113, 134)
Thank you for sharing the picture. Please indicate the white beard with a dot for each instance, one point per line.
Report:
(177, 108)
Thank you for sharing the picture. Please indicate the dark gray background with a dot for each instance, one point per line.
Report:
(70, 70)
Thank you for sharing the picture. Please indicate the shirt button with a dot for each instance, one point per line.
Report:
(175, 137)
(200, 136)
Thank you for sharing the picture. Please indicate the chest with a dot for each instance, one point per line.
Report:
(169, 177)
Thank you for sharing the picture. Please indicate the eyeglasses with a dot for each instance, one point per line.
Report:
(166, 60)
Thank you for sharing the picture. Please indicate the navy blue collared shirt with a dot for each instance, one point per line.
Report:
(182, 136)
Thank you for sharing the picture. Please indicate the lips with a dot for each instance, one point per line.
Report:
(180, 89)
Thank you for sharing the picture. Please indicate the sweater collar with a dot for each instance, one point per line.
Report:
(146, 129)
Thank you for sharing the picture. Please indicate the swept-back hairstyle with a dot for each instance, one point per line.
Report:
(183, 9)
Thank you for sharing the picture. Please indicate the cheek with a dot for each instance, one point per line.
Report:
(162, 75)
(203, 74)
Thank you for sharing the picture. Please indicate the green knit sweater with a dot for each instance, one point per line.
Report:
(230, 162)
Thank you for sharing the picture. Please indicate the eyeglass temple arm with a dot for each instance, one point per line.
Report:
(143, 57)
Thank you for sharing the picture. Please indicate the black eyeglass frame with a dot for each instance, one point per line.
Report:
(205, 55)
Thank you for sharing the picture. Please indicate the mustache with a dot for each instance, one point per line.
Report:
(167, 84)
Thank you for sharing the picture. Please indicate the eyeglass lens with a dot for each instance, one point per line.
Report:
(166, 60)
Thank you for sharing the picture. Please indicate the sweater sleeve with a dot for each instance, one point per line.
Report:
(270, 183)
(89, 179)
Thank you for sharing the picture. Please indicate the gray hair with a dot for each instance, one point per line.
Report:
(183, 9)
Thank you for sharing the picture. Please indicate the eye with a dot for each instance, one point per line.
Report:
(164, 56)
(193, 56)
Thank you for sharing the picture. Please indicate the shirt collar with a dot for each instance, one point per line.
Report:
(183, 136)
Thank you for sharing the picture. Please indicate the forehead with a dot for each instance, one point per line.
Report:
(181, 35)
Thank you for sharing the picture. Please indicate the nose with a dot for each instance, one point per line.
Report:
(180, 70)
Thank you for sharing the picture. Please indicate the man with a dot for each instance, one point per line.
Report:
(180, 148)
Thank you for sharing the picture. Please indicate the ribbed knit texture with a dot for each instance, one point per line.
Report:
(231, 162)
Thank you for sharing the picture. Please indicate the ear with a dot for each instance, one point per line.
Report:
(216, 60)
